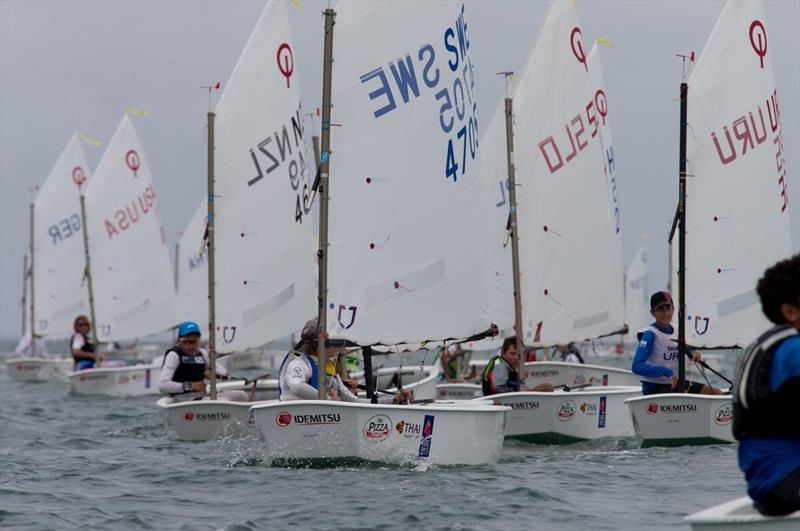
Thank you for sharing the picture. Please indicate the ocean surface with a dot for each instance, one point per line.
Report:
(69, 462)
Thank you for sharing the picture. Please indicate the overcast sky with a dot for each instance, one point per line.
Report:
(76, 65)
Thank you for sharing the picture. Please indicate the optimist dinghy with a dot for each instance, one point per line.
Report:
(740, 515)
(260, 240)
(130, 381)
(567, 417)
(330, 433)
(38, 370)
(676, 419)
(737, 203)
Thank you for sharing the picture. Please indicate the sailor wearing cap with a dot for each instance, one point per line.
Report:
(656, 357)
(299, 373)
(185, 367)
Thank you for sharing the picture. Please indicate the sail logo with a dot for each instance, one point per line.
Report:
(126, 217)
(566, 410)
(64, 229)
(576, 43)
(758, 40)
(196, 261)
(78, 176)
(285, 62)
(352, 310)
(377, 428)
(724, 415)
(132, 161)
(451, 83)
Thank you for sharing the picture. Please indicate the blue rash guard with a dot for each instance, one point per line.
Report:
(767, 461)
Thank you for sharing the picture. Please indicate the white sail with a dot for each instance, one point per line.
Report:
(134, 294)
(737, 216)
(264, 255)
(604, 121)
(60, 291)
(408, 240)
(192, 285)
(637, 296)
(570, 253)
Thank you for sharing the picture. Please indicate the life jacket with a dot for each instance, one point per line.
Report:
(487, 379)
(88, 346)
(664, 353)
(191, 367)
(757, 410)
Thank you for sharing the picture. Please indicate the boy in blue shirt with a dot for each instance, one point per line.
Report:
(656, 357)
(766, 401)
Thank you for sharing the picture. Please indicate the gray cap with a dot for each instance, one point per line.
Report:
(309, 332)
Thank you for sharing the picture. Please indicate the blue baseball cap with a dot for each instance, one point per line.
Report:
(188, 328)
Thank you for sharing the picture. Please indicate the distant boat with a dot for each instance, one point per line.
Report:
(129, 269)
(570, 254)
(736, 215)
(55, 279)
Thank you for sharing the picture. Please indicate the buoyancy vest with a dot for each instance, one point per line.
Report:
(487, 379)
(191, 367)
(88, 346)
(664, 354)
(757, 410)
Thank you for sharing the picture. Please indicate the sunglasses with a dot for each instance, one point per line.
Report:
(83, 324)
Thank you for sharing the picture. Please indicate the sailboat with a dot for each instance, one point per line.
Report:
(734, 216)
(260, 246)
(130, 285)
(55, 283)
(402, 258)
(569, 253)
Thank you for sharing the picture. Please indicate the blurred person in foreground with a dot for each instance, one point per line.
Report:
(766, 398)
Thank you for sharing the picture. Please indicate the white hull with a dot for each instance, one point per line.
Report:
(140, 353)
(740, 515)
(571, 374)
(336, 432)
(203, 420)
(265, 389)
(419, 380)
(33, 370)
(566, 417)
(249, 359)
(136, 380)
(675, 419)
(458, 391)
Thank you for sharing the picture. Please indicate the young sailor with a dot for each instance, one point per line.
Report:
(766, 399)
(501, 375)
(83, 350)
(299, 373)
(185, 368)
(656, 357)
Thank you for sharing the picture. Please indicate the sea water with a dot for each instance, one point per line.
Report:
(70, 462)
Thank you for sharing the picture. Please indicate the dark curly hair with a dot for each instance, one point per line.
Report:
(507, 342)
(780, 285)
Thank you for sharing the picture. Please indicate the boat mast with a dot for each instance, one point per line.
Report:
(322, 253)
(682, 243)
(87, 272)
(212, 345)
(512, 224)
(32, 316)
(177, 264)
(24, 291)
